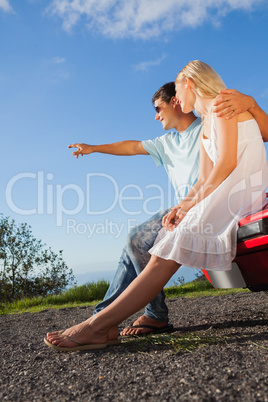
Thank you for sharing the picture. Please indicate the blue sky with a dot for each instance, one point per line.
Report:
(85, 71)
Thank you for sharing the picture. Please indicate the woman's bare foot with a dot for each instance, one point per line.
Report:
(83, 334)
(143, 320)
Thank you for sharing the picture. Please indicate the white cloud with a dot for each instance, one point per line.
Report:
(143, 18)
(146, 65)
(58, 72)
(58, 60)
(5, 6)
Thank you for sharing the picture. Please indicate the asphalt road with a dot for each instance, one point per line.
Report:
(229, 361)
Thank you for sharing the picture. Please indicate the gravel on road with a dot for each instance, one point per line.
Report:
(232, 368)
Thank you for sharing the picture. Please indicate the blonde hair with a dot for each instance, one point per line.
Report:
(207, 82)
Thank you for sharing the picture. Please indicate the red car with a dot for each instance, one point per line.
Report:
(250, 266)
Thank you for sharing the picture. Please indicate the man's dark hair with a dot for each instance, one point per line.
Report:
(165, 93)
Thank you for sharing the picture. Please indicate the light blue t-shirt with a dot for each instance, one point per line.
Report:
(178, 152)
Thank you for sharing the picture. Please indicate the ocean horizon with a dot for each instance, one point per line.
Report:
(185, 274)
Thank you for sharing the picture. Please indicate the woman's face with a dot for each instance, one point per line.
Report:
(185, 96)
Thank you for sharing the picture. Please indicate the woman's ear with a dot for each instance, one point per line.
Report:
(189, 83)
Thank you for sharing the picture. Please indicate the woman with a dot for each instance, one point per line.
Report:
(201, 230)
(232, 162)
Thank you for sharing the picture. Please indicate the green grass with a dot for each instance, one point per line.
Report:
(198, 288)
(92, 293)
(183, 342)
(85, 295)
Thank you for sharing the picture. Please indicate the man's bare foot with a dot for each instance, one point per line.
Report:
(82, 333)
(143, 320)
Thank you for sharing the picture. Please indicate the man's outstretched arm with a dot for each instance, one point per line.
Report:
(231, 102)
(123, 148)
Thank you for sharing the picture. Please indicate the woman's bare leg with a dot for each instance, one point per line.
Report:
(140, 292)
(100, 327)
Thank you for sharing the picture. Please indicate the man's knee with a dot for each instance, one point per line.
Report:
(133, 240)
(142, 238)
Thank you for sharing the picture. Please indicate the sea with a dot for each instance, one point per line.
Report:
(184, 274)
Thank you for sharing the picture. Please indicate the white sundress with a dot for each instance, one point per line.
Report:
(206, 237)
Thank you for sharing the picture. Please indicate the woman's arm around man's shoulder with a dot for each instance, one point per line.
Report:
(230, 103)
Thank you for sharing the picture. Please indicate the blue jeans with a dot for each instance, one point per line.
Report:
(134, 258)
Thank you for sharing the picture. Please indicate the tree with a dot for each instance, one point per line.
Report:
(27, 267)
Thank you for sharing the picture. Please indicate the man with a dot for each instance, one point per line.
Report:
(178, 152)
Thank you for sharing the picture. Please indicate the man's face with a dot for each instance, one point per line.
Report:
(166, 113)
